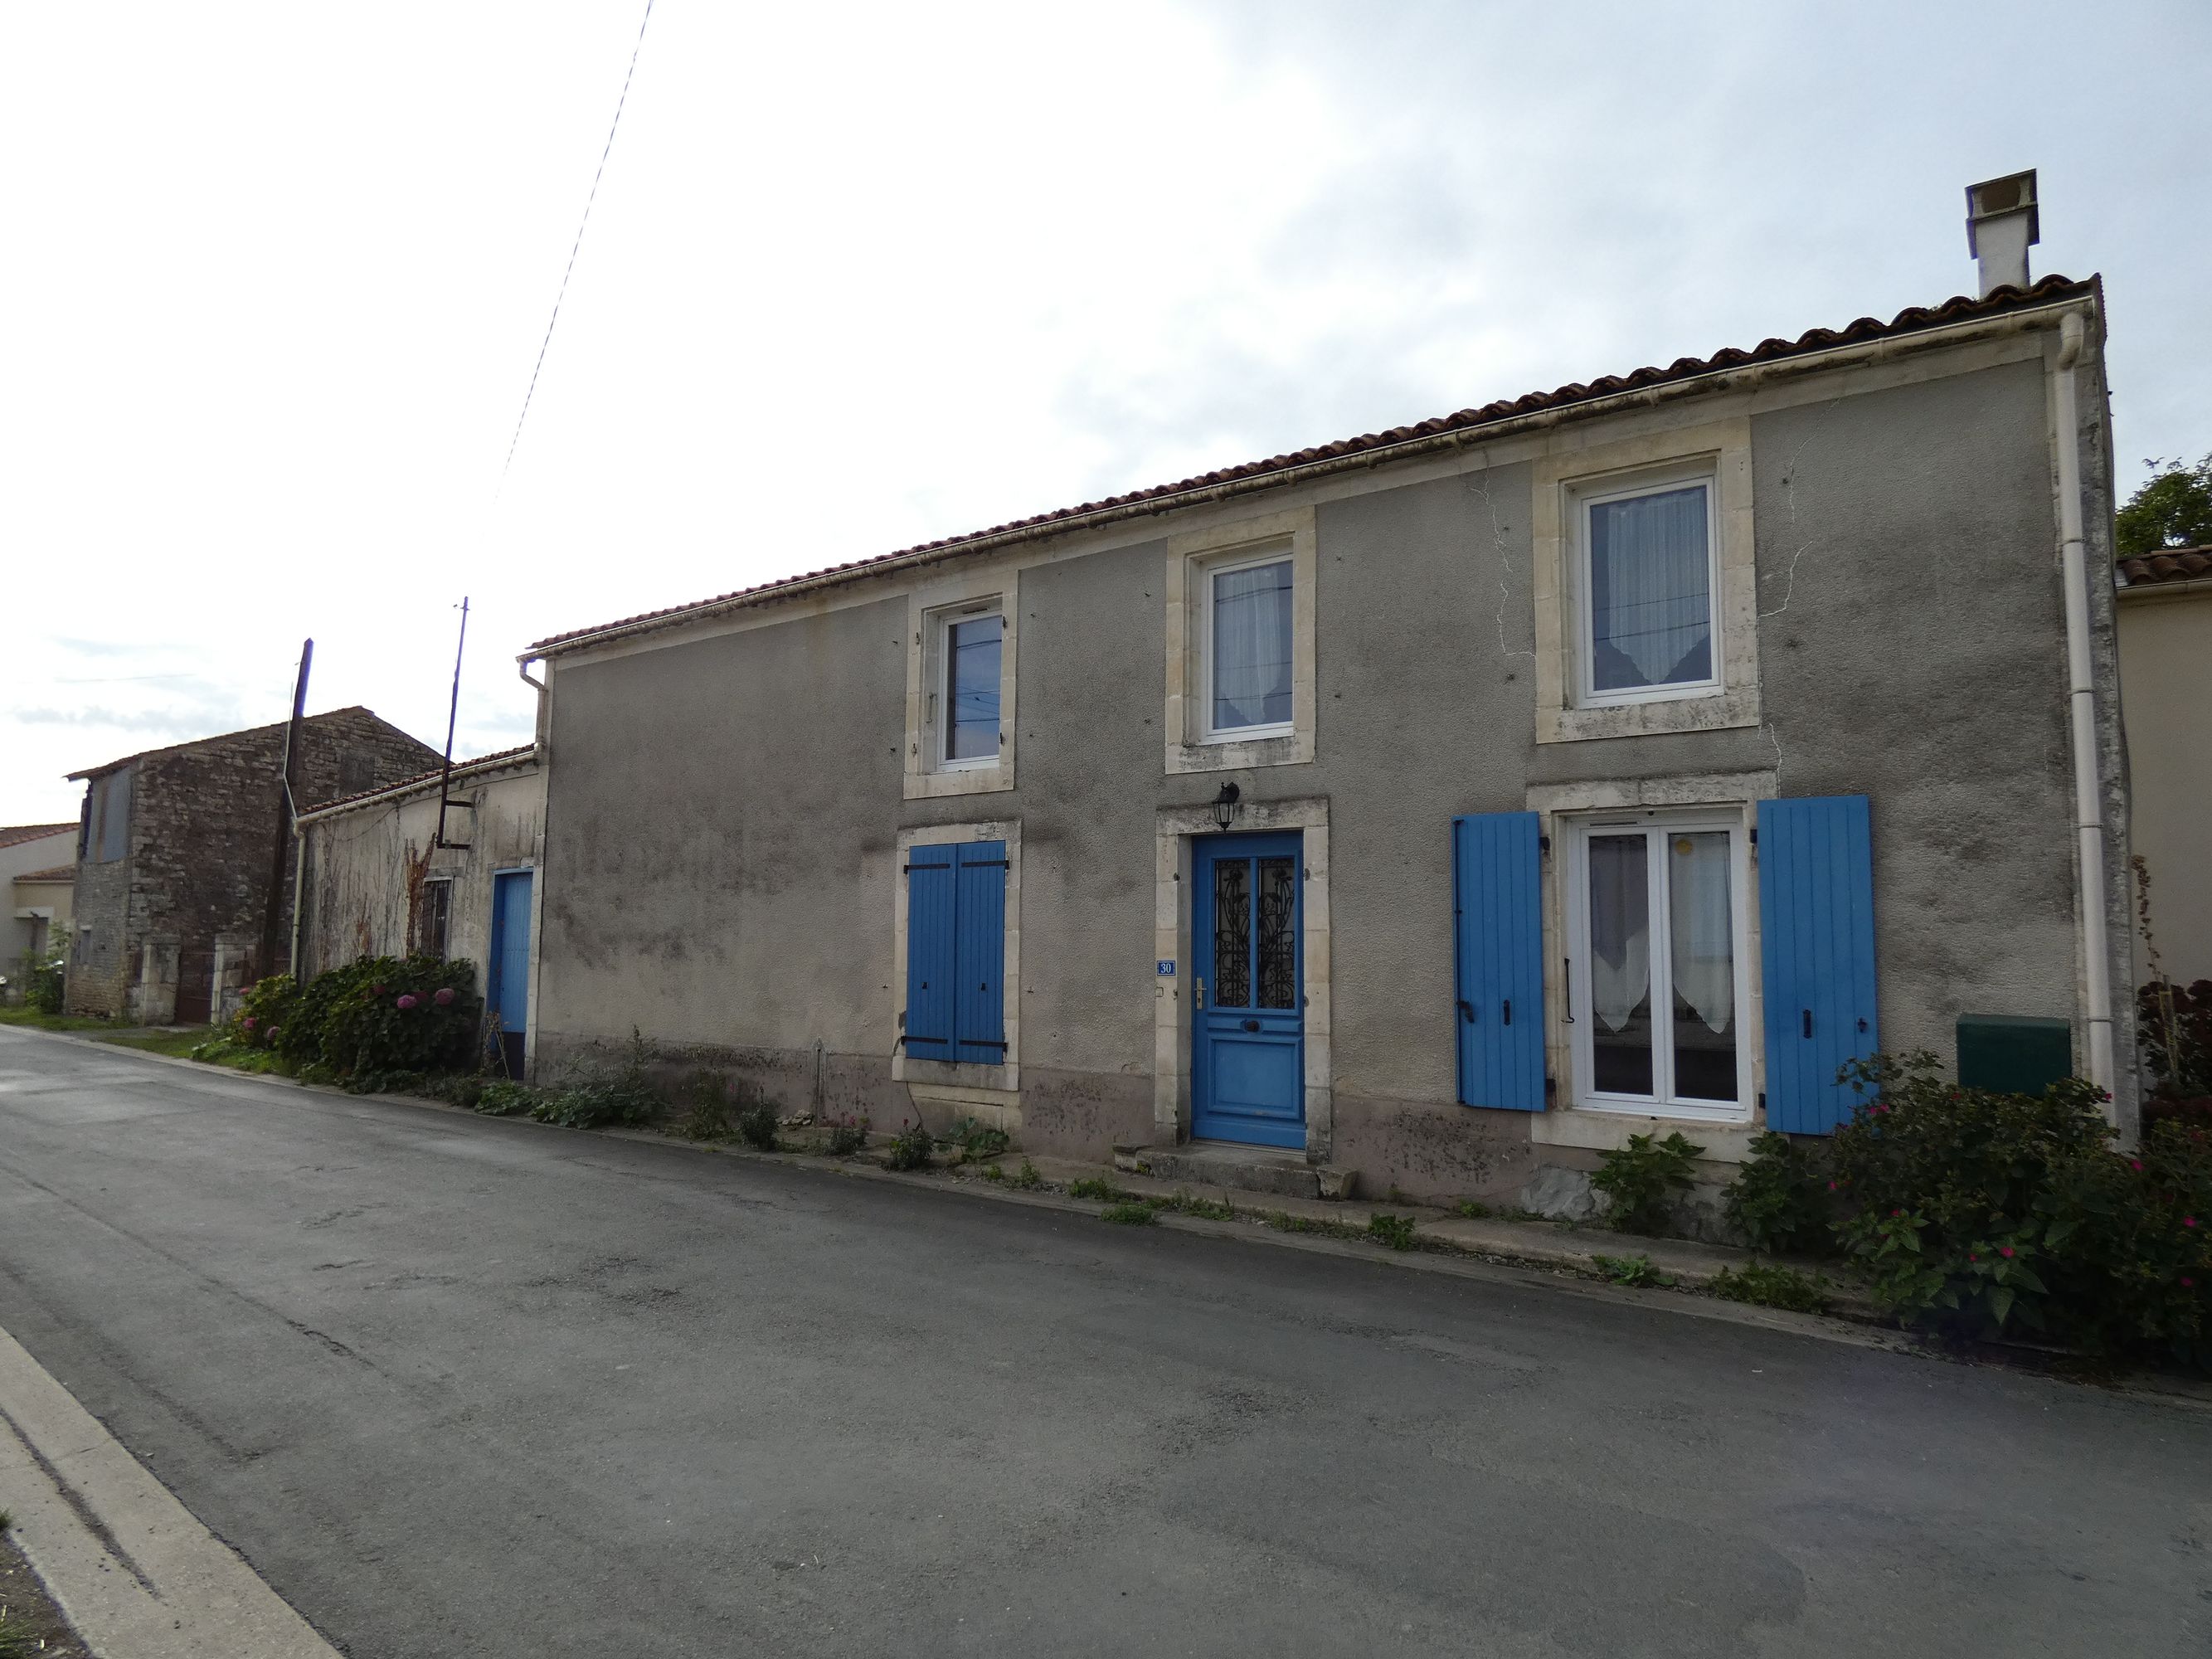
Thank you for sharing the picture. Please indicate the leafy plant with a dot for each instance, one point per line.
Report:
(1186, 1204)
(910, 1148)
(976, 1140)
(705, 1097)
(1635, 1271)
(628, 1096)
(1472, 1210)
(1396, 1230)
(1771, 1286)
(264, 1011)
(2172, 509)
(992, 1172)
(500, 1098)
(1132, 1214)
(45, 981)
(1640, 1180)
(19, 1639)
(1026, 1177)
(379, 1015)
(842, 1137)
(756, 1126)
(1104, 1191)
(1781, 1199)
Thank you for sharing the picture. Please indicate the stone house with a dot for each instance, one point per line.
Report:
(1439, 804)
(378, 878)
(2165, 644)
(175, 852)
(35, 862)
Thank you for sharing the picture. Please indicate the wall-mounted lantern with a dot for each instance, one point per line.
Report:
(1226, 806)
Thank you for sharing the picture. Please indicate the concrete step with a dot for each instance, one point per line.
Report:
(1242, 1168)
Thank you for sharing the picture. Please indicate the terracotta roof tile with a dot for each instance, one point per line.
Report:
(18, 834)
(2172, 564)
(491, 763)
(1959, 308)
(59, 872)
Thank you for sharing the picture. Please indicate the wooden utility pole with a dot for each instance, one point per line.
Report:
(271, 914)
(452, 716)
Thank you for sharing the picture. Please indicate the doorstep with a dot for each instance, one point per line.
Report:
(1271, 1169)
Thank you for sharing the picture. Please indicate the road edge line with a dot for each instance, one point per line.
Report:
(135, 1572)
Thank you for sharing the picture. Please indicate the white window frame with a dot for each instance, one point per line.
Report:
(931, 611)
(1209, 572)
(1662, 1102)
(937, 716)
(1586, 500)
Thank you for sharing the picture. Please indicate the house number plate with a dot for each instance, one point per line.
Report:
(1165, 968)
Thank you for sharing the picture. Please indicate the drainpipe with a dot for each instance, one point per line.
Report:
(2088, 797)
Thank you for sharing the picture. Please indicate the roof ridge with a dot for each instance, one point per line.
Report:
(482, 763)
(1957, 308)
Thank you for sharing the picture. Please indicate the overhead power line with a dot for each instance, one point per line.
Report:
(563, 293)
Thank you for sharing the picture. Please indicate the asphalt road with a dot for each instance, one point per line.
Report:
(458, 1386)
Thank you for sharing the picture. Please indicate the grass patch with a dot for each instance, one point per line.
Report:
(1184, 1203)
(178, 1045)
(1131, 1214)
(1026, 1177)
(37, 1021)
(18, 1640)
(1769, 1286)
(1396, 1230)
(1634, 1271)
(1104, 1191)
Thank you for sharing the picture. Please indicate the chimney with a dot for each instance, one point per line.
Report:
(2001, 227)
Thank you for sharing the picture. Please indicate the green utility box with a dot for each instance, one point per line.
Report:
(2014, 1055)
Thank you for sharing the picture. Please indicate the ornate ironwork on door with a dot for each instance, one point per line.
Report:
(1232, 935)
(1279, 937)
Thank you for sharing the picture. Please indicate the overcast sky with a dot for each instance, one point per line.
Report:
(859, 276)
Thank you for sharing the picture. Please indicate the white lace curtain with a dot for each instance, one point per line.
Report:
(1651, 607)
(1703, 938)
(1621, 927)
(1252, 646)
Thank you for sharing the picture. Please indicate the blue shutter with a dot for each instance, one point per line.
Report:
(1498, 951)
(1816, 935)
(980, 1029)
(930, 970)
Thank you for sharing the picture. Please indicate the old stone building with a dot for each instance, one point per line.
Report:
(174, 857)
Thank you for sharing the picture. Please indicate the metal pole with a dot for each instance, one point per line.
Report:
(272, 911)
(452, 716)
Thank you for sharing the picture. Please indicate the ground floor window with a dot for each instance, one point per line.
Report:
(1657, 965)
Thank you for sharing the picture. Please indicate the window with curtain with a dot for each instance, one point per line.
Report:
(1249, 641)
(1658, 946)
(1649, 583)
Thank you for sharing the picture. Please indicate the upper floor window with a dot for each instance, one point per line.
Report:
(960, 717)
(1248, 637)
(969, 657)
(1647, 580)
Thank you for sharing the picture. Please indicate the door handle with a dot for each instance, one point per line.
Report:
(1567, 986)
(1509, 1010)
(1466, 1011)
(1808, 1021)
(1251, 1024)
(1200, 1000)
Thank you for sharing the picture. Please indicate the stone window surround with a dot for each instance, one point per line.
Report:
(1174, 830)
(1563, 1123)
(1189, 556)
(925, 605)
(1555, 523)
(1002, 1082)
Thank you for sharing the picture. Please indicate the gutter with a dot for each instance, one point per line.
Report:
(2147, 592)
(1736, 377)
(2081, 699)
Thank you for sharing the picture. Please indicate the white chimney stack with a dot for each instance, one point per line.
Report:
(2001, 227)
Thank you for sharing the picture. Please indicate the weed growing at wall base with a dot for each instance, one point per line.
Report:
(1641, 1179)
(1770, 1287)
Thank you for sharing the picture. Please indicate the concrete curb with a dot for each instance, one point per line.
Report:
(134, 1572)
(1494, 1252)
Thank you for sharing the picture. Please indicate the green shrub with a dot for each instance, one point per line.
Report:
(1131, 1214)
(1780, 1200)
(1640, 1180)
(264, 1011)
(1396, 1230)
(1976, 1213)
(596, 1105)
(910, 1148)
(380, 1015)
(1634, 1271)
(976, 1139)
(1771, 1286)
(501, 1098)
(44, 985)
(844, 1137)
(756, 1126)
(2173, 1028)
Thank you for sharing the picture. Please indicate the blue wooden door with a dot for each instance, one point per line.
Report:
(507, 989)
(1816, 926)
(1248, 1039)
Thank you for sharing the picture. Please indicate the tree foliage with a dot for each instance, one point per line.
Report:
(2173, 509)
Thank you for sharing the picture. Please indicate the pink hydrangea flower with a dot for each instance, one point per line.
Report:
(407, 1002)
(445, 997)
(2005, 1250)
(2189, 1221)
(249, 1022)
